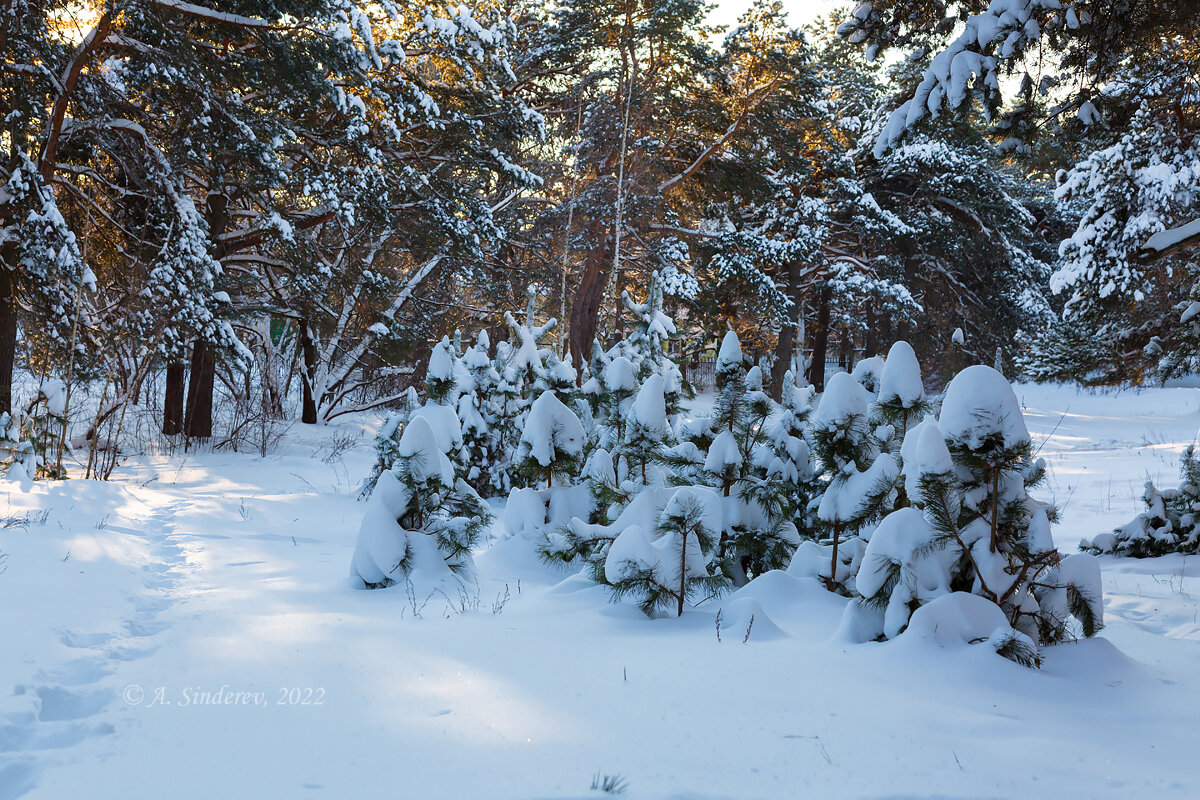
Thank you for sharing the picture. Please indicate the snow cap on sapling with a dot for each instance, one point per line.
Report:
(980, 405)
(900, 381)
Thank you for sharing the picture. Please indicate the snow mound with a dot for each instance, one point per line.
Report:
(960, 619)
(744, 620)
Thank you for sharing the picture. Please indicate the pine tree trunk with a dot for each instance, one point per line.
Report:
(308, 373)
(585, 311)
(198, 421)
(8, 334)
(173, 400)
(816, 370)
(833, 559)
(682, 574)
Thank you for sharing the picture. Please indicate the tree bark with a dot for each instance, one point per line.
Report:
(173, 399)
(308, 373)
(785, 344)
(198, 421)
(202, 381)
(816, 370)
(8, 335)
(585, 311)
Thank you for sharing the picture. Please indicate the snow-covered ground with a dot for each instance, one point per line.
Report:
(188, 630)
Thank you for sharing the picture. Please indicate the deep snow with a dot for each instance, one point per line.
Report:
(227, 574)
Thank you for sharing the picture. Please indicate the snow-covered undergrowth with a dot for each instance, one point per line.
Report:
(217, 582)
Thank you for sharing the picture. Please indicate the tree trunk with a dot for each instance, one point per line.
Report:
(202, 381)
(8, 336)
(786, 342)
(269, 366)
(308, 373)
(198, 422)
(816, 370)
(585, 311)
(173, 400)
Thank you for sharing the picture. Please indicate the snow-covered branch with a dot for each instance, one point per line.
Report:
(210, 15)
(1169, 242)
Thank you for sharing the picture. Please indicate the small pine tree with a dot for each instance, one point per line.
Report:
(901, 400)
(974, 528)
(476, 411)
(552, 442)
(665, 571)
(1169, 523)
(843, 441)
(43, 431)
(647, 432)
(421, 519)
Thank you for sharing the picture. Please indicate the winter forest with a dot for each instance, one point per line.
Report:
(560, 399)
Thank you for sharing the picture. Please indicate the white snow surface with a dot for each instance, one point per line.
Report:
(225, 574)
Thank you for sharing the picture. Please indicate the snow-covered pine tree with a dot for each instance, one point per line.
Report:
(43, 429)
(759, 532)
(552, 443)
(663, 569)
(1168, 525)
(441, 394)
(861, 482)
(421, 523)
(901, 400)
(653, 329)
(387, 441)
(477, 413)
(974, 528)
(619, 387)
(647, 432)
(793, 461)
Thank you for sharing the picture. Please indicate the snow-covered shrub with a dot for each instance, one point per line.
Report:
(387, 441)
(665, 568)
(861, 486)
(551, 442)
(901, 399)
(1168, 525)
(43, 428)
(421, 523)
(974, 528)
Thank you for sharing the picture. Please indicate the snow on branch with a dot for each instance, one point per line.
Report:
(970, 55)
(90, 43)
(219, 17)
(1169, 242)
